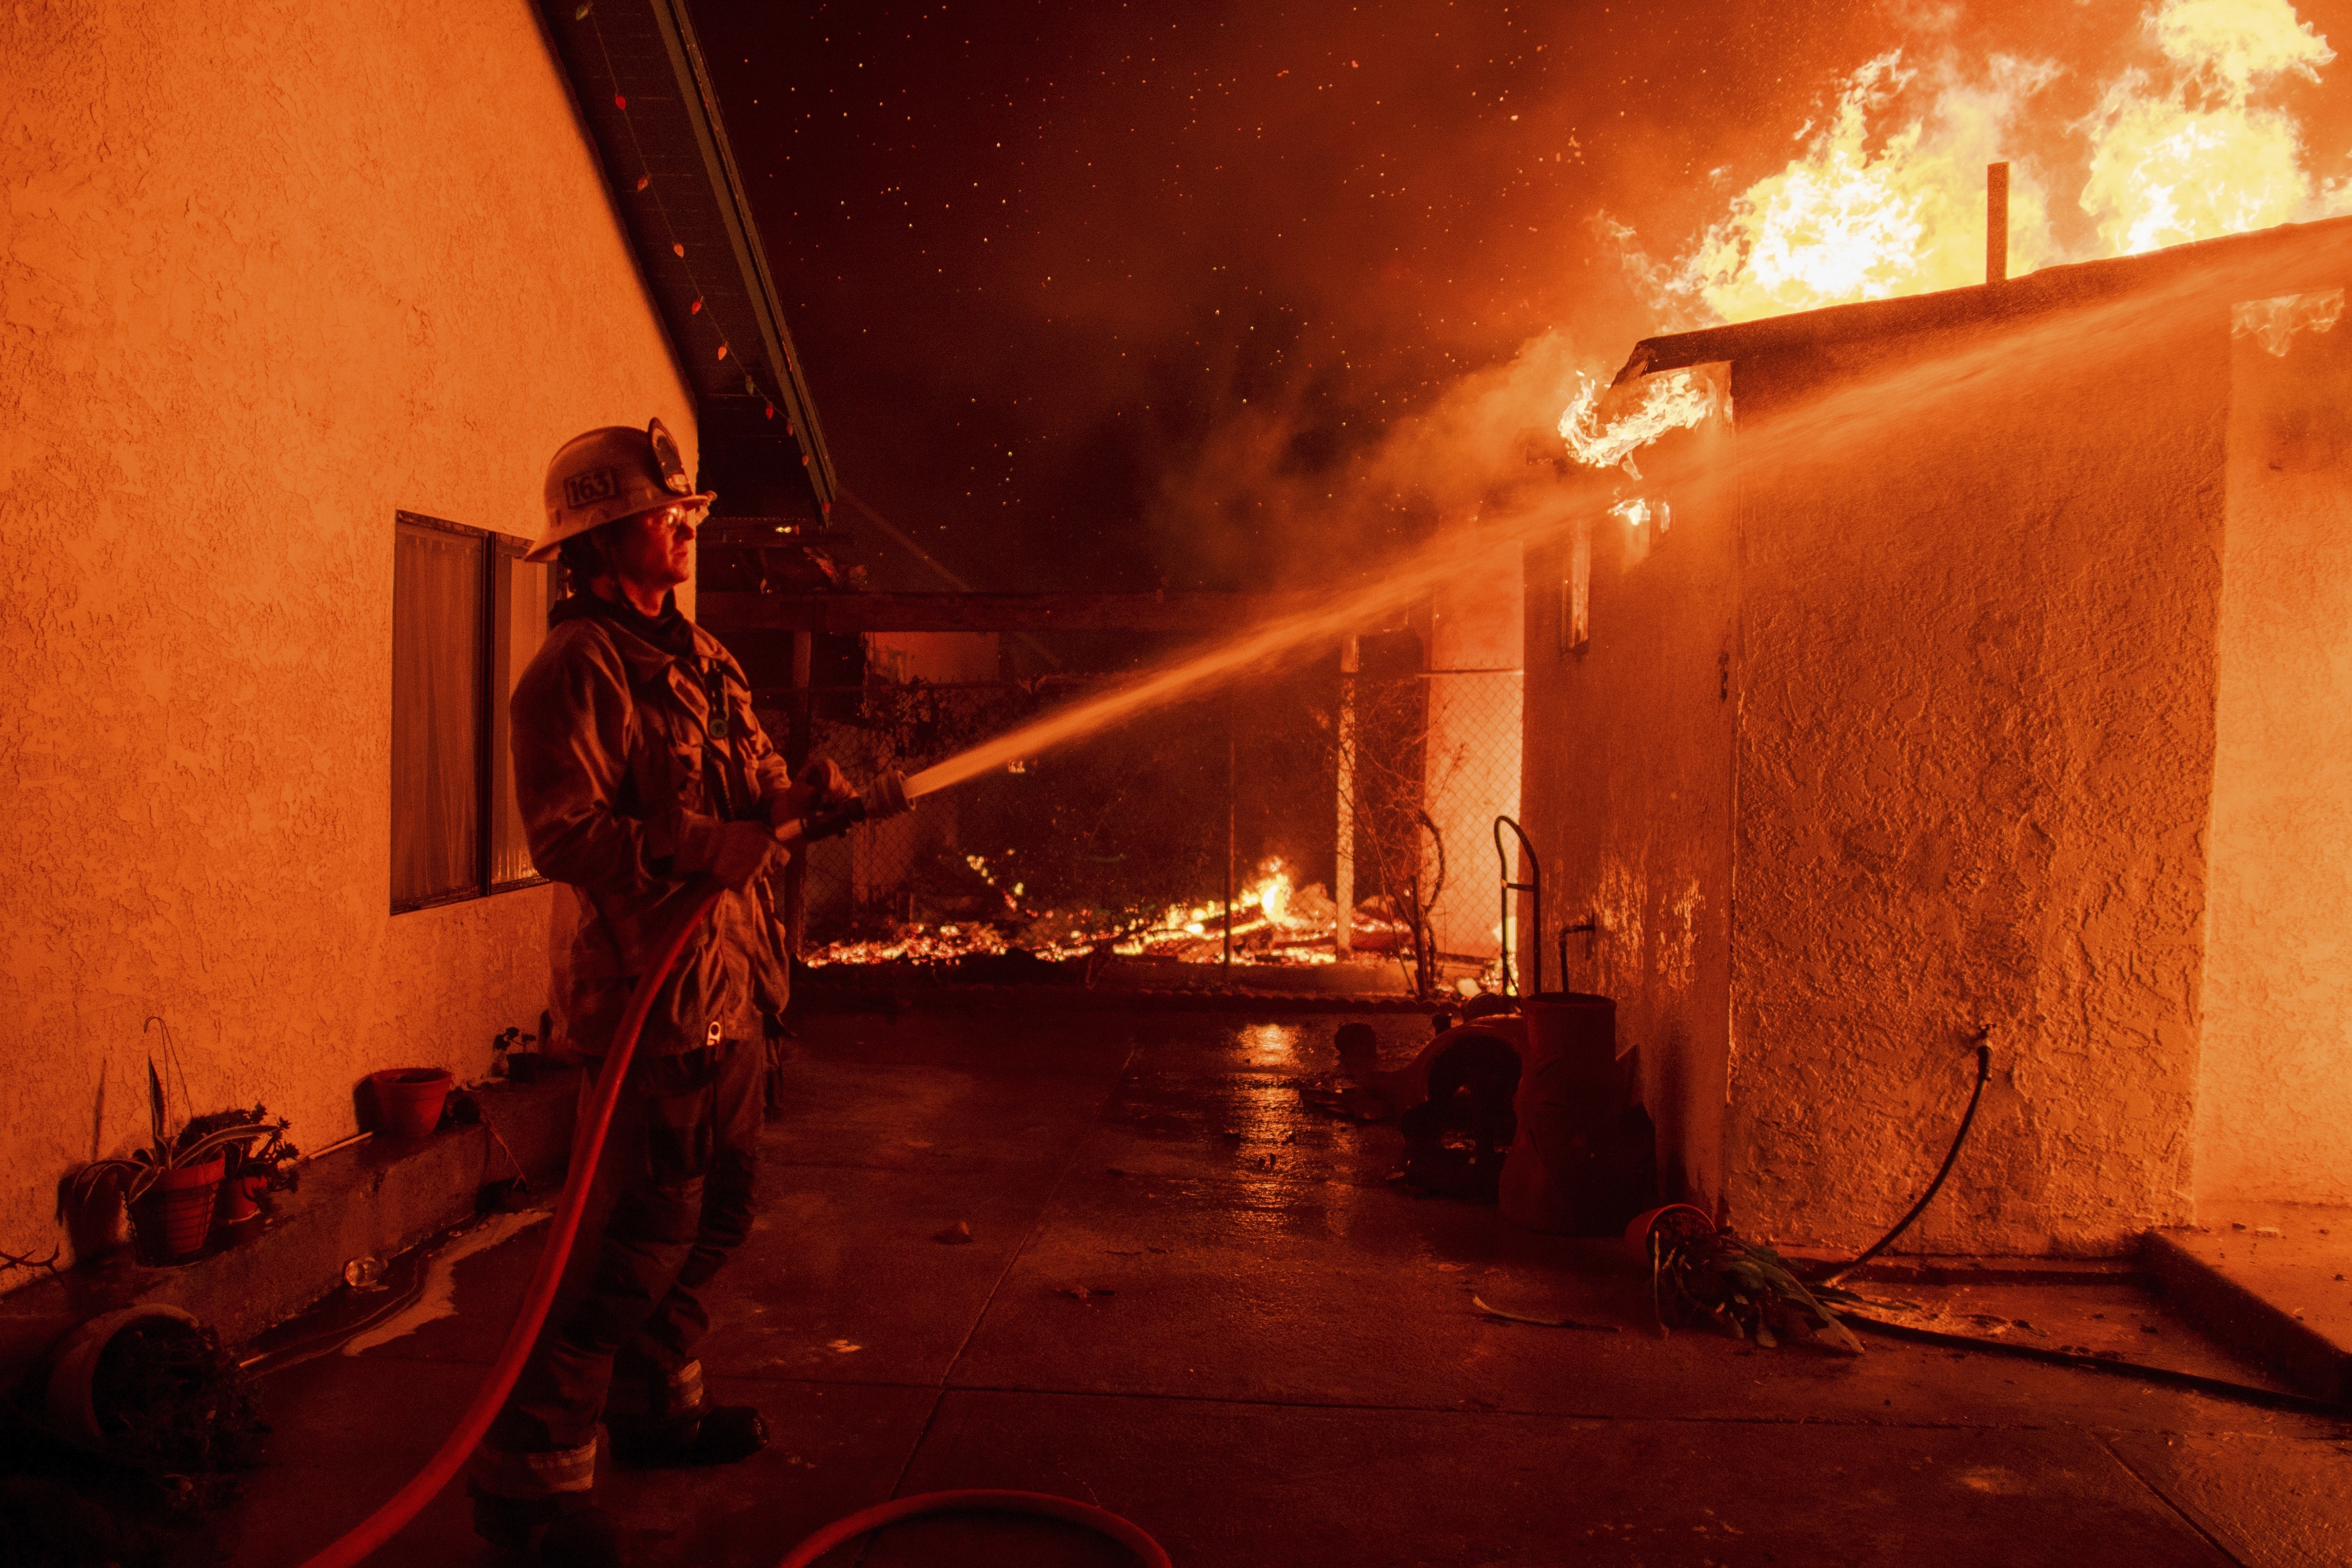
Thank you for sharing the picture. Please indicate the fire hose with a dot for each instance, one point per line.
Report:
(885, 797)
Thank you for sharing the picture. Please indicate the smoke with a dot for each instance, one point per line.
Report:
(1883, 198)
(1266, 499)
(1092, 298)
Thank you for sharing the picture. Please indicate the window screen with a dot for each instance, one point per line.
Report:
(525, 594)
(468, 614)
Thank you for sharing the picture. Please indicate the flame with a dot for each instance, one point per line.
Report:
(1285, 925)
(1635, 513)
(1676, 399)
(1271, 894)
(1845, 221)
(2273, 323)
(1881, 202)
(2198, 159)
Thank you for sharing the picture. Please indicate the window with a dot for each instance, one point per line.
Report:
(468, 614)
(1575, 592)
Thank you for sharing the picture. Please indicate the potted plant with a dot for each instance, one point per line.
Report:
(510, 1056)
(170, 1187)
(1703, 1272)
(249, 1171)
(154, 1388)
(408, 1100)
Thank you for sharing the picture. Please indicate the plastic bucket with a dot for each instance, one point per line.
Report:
(408, 1099)
(173, 1218)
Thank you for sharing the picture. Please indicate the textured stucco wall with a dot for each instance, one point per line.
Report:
(1973, 776)
(268, 272)
(2274, 1093)
(1628, 794)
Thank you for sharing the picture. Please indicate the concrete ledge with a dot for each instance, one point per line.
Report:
(2283, 1310)
(373, 1199)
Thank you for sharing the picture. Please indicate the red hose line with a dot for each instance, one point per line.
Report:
(587, 1145)
(1100, 1521)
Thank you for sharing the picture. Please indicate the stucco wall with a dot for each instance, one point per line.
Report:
(1973, 770)
(268, 272)
(1628, 793)
(2274, 1093)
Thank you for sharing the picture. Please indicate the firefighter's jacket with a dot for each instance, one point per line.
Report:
(617, 762)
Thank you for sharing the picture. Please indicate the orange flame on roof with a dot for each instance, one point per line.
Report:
(1673, 400)
(2199, 158)
(1881, 204)
(1858, 217)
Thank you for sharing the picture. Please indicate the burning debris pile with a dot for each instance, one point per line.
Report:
(1270, 921)
(1207, 834)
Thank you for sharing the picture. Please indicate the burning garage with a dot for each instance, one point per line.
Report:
(1966, 668)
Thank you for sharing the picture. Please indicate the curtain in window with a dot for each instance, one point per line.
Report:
(437, 627)
(526, 594)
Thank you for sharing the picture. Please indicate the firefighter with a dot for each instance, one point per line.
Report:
(639, 769)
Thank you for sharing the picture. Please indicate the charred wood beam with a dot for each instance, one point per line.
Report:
(836, 612)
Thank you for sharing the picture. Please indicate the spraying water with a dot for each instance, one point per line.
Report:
(1825, 429)
(1345, 612)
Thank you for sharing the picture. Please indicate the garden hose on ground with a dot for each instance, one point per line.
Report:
(1967, 1119)
(588, 1144)
(2220, 1389)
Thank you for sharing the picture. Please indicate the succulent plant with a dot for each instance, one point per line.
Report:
(1703, 1273)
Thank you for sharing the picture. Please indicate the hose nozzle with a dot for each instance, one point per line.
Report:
(885, 797)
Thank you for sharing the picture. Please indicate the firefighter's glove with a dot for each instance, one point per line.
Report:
(828, 785)
(734, 852)
(821, 786)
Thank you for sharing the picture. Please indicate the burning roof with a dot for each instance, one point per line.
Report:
(2224, 272)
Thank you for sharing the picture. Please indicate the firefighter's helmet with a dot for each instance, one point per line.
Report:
(610, 473)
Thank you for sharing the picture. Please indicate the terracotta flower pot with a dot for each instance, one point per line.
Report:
(408, 1099)
(73, 1371)
(240, 1200)
(1637, 1229)
(173, 1217)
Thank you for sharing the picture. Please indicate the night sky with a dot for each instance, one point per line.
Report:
(1085, 291)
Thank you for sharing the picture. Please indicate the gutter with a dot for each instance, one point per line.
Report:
(700, 102)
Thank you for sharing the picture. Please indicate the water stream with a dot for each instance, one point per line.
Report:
(1834, 426)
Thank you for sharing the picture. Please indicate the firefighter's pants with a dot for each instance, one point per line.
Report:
(672, 1199)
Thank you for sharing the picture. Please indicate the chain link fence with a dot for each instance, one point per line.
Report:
(1250, 816)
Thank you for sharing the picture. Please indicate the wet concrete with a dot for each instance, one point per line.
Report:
(1276, 1360)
